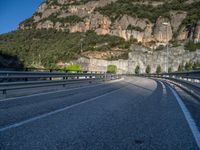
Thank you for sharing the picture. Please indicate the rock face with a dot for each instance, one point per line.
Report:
(138, 57)
(96, 22)
(183, 34)
(163, 30)
(53, 14)
(197, 33)
(177, 18)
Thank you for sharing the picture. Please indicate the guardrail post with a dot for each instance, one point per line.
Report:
(4, 93)
(50, 77)
(66, 74)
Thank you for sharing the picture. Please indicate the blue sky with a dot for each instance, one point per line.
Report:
(12, 12)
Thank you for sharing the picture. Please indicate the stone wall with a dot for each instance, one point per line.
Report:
(143, 57)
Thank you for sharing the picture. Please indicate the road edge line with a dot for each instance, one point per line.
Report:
(193, 127)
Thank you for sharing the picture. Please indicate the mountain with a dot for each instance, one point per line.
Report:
(64, 30)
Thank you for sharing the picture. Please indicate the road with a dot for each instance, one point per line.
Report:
(134, 113)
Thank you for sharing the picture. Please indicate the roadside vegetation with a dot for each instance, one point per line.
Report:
(48, 47)
(191, 46)
(112, 69)
(137, 70)
(148, 69)
(158, 69)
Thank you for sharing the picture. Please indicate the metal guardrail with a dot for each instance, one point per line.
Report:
(193, 76)
(13, 80)
(188, 81)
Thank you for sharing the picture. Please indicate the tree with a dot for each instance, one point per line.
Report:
(112, 69)
(158, 69)
(188, 66)
(170, 70)
(137, 69)
(181, 68)
(148, 69)
(196, 65)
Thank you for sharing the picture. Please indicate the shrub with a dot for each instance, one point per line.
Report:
(158, 69)
(112, 69)
(191, 46)
(196, 65)
(170, 70)
(148, 69)
(73, 67)
(137, 69)
(188, 66)
(181, 68)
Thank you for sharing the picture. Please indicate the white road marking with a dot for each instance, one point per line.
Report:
(188, 117)
(56, 111)
(164, 88)
(45, 93)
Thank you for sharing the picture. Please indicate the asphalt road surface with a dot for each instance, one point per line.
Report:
(130, 114)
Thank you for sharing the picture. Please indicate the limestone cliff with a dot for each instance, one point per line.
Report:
(56, 13)
(95, 31)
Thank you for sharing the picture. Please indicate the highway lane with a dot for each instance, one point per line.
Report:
(136, 113)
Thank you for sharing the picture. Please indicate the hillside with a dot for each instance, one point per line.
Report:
(63, 30)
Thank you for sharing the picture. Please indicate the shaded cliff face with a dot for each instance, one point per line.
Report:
(152, 23)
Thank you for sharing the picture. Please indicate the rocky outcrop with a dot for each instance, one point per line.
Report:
(97, 22)
(163, 30)
(183, 34)
(45, 25)
(197, 33)
(177, 18)
(42, 8)
(136, 30)
(88, 8)
(115, 52)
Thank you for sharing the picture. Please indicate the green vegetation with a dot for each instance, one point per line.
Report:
(196, 65)
(69, 19)
(137, 69)
(73, 67)
(148, 69)
(48, 47)
(188, 66)
(170, 70)
(28, 23)
(191, 46)
(112, 69)
(181, 68)
(158, 69)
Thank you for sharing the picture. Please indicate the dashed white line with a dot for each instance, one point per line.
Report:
(56, 111)
(188, 117)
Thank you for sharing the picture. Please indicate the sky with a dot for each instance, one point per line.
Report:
(12, 12)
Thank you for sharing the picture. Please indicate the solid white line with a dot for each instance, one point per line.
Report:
(55, 111)
(188, 117)
(66, 90)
